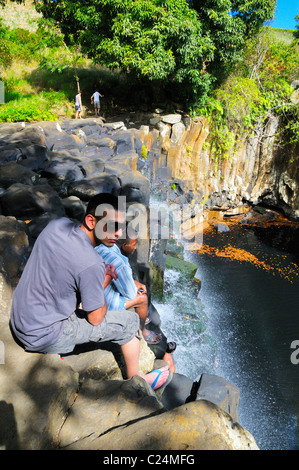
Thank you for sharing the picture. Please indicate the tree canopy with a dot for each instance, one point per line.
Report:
(185, 44)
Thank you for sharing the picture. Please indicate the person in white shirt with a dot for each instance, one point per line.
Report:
(95, 98)
(78, 105)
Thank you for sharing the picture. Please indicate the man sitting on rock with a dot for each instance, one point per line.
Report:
(64, 270)
(123, 292)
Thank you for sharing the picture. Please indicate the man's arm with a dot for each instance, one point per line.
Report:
(95, 317)
(109, 274)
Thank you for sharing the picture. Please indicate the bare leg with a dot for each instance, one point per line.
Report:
(130, 352)
(140, 304)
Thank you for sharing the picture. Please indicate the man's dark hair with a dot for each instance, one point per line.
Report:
(102, 199)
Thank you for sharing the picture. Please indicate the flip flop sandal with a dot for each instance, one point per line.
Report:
(171, 347)
(164, 385)
(150, 338)
(159, 372)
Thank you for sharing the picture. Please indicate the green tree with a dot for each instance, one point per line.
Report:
(230, 23)
(185, 44)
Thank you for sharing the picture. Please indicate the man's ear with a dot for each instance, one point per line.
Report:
(90, 221)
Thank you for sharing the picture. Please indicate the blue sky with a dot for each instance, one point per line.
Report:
(286, 10)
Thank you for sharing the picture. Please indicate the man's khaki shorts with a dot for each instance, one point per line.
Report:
(118, 326)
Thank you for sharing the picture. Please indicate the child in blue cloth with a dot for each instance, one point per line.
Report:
(123, 292)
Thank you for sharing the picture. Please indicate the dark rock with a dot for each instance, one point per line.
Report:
(89, 130)
(39, 152)
(51, 130)
(36, 225)
(122, 162)
(74, 208)
(70, 125)
(135, 187)
(7, 129)
(63, 170)
(177, 392)
(25, 202)
(100, 146)
(94, 152)
(124, 142)
(33, 157)
(9, 153)
(92, 167)
(11, 173)
(13, 248)
(68, 142)
(220, 392)
(103, 183)
(27, 135)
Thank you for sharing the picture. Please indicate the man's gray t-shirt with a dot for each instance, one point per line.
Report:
(63, 268)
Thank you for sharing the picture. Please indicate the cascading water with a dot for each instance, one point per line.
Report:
(184, 321)
(240, 326)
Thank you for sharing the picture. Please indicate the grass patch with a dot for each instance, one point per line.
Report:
(20, 15)
(284, 35)
(45, 106)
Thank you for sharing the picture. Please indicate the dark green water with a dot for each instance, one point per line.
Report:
(241, 328)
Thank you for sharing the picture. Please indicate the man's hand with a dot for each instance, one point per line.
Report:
(110, 271)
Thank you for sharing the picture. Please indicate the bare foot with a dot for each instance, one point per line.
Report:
(157, 377)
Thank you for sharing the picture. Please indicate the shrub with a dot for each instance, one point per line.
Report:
(41, 107)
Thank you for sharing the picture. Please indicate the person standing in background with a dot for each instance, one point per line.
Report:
(78, 105)
(95, 98)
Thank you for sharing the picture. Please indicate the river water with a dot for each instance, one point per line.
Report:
(240, 325)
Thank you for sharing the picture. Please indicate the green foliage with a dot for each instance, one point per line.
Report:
(185, 44)
(229, 23)
(44, 49)
(31, 108)
(143, 153)
(5, 52)
(260, 87)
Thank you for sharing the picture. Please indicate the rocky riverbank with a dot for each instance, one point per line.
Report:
(81, 401)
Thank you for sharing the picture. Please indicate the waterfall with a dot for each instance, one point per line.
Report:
(239, 325)
(184, 318)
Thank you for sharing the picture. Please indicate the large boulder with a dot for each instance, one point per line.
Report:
(74, 208)
(101, 406)
(11, 173)
(198, 425)
(25, 202)
(88, 187)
